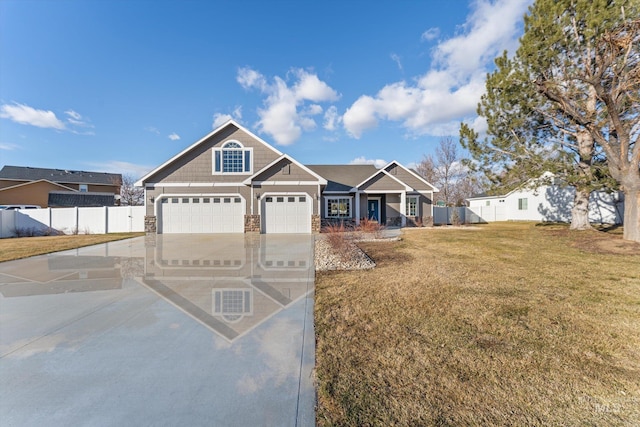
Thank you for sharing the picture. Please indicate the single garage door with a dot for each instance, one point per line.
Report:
(287, 214)
(210, 214)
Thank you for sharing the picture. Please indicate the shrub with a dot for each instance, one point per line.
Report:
(455, 217)
(338, 239)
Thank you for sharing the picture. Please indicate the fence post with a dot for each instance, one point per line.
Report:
(106, 220)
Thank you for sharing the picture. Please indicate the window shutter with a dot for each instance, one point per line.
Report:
(247, 161)
(217, 167)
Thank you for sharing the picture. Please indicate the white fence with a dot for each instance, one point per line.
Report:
(475, 215)
(107, 219)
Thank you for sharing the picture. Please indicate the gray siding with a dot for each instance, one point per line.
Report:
(197, 165)
(407, 178)
(285, 170)
(393, 205)
(381, 182)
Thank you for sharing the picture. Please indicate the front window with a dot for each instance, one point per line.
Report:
(339, 207)
(412, 206)
(84, 188)
(232, 158)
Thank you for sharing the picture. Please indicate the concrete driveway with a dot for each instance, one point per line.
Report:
(198, 330)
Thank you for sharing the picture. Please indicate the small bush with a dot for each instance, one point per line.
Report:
(371, 227)
(25, 231)
(338, 239)
(455, 217)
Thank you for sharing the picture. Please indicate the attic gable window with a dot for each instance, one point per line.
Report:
(232, 158)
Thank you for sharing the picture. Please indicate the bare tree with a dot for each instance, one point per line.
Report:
(446, 171)
(130, 195)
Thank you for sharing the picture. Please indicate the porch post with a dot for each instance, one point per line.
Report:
(357, 208)
(403, 208)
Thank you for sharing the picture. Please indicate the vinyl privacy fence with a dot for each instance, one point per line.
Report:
(464, 215)
(102, 220)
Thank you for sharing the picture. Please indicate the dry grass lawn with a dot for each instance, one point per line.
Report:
(23, 247)
(505, 324)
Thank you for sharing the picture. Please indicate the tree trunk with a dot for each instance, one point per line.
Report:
(632, 212)
(580, 210)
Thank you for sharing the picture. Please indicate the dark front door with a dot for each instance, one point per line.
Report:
(374, 210)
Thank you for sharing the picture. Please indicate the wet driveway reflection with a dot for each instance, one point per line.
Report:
(162, 330)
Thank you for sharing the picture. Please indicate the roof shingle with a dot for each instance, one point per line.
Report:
(26, 173)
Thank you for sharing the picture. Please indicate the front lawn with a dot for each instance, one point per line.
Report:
(23, 247)
(503, 324)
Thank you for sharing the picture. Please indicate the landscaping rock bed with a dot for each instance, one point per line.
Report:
(347, 256)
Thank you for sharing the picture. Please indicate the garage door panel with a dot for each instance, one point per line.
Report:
(203, 214)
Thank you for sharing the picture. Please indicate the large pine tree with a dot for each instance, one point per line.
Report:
(568, 102)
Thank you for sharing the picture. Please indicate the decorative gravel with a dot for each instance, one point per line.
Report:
(353, 258)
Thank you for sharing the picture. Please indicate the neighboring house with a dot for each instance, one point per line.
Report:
(546, 203)
(231, 181)
(58, 188)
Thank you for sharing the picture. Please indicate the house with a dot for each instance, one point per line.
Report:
(550, 202)
(232, 181)
(57, 187)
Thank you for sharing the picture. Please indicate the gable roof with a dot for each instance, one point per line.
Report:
(342, 178)
(412, 172)
(383, 172)
(26, 184)
(532, 183)
(27, 173)
(226, 124)
(321, 180)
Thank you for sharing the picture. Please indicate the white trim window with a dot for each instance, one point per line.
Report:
(337, 207)
(523, 204)
(84, 188)
(232, 158)
(412, 206)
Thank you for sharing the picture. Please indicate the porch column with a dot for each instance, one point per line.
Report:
(357, 208)
(403, 208)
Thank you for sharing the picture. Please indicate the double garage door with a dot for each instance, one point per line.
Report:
(286, 214)
(225, 214)
(211, 214)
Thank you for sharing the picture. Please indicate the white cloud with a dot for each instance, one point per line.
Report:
(7, 147)
(125, 168)
(331, 118)
(173, 136)
(288, 108)
(152, 129)
(73, 115)
(450, 90)
(249, 79)
(23, 114)
(430, 34)
(77, 120)
(396, 59)
(219, 118)
(378, 163)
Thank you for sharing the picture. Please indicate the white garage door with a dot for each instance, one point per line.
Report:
(210, 214)
(287, 214)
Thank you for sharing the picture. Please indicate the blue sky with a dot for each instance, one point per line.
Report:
(121, 86)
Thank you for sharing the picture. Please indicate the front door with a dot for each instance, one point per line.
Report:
(374, 210)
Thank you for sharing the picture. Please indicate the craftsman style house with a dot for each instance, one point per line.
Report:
(231, 181)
